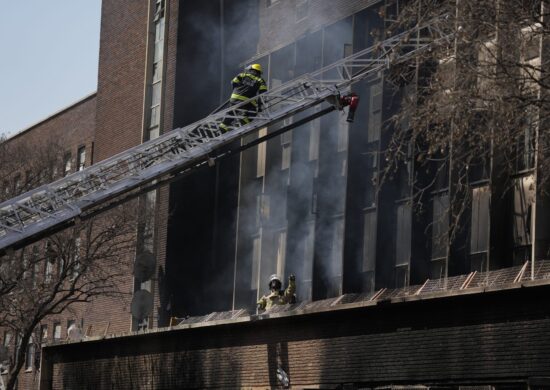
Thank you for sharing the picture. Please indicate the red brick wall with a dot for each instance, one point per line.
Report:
(497, 337)
(121, 76)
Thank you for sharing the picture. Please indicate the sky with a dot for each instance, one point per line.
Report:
(49, 53)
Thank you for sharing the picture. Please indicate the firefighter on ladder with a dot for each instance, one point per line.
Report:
(276, 295)
(246, 85)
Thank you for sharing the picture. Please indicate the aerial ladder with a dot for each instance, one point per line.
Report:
(49, 208)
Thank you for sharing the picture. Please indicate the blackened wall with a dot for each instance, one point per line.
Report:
(494, 338)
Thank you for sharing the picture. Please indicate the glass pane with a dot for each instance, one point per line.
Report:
(524, 196)
(155, 94)
(157, 71)
(155, 116)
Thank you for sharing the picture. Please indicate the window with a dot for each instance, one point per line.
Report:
(29, 356)
(479, 233)
(67, 164)
(260, 166)
(81, 158)
(7, 339)
(314, 137)
(281, 253)
(403, 235)
(56, 331)
(17, 184)
(402, 276)
(155, 88)
(337, 248)
(256, 256)
(302, 8)
(375, 113)
(43, 333)
(307, 272)
(286, 139)
(369, 241)
(524, 196)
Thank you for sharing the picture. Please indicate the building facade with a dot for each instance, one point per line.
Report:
(387, 295)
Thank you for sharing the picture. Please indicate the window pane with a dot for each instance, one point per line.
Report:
(155, 116)
(157, 71)
(155, 94)
(256, 253)
(479, 239)
(281, 253)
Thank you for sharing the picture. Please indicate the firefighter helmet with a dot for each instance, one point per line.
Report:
(275, 279)
(256, 67)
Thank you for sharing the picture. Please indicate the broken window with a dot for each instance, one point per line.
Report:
(369, 241)
(375, 113)
(286, 144)
(403, 235)
(440, 226)
(524, 197)
(260, 163)
(479, 233)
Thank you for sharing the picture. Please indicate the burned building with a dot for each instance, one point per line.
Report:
(413, 268)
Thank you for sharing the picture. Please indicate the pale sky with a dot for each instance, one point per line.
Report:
(48, 58)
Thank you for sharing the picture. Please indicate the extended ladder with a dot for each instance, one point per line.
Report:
(51, 207)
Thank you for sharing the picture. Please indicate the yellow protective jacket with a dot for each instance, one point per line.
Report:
(278, 297)
(245, 86)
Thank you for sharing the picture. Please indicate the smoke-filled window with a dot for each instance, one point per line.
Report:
(281, 253)
(375, 113)
(369, 241)
(256, 256)
(260, 164)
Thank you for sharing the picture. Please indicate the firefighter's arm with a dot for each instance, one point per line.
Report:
(291, 289)
(237, 80)
(262, 302)
(263, 87)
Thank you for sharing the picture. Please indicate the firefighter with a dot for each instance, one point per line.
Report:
(276, 295)
(246, 85)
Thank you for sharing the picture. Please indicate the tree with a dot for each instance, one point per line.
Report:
(476, 107)
(56, 274)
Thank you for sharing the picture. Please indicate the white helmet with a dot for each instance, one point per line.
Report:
(274, 278)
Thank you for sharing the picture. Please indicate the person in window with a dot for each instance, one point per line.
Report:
(246, 85)
(277, 296)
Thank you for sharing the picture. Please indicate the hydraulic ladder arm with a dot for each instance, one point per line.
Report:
(52, 207)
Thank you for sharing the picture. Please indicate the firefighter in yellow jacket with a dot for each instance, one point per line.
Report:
(246, 85)
(276, 295)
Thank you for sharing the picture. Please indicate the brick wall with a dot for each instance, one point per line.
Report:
(279, 26)
(69, 129)
(121, 76)
(496, 337)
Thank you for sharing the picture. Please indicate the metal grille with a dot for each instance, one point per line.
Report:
(51, 207)
(495, 278)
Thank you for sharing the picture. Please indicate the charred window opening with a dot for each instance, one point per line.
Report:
(479, 231)
(369, 249)
(403, 241)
